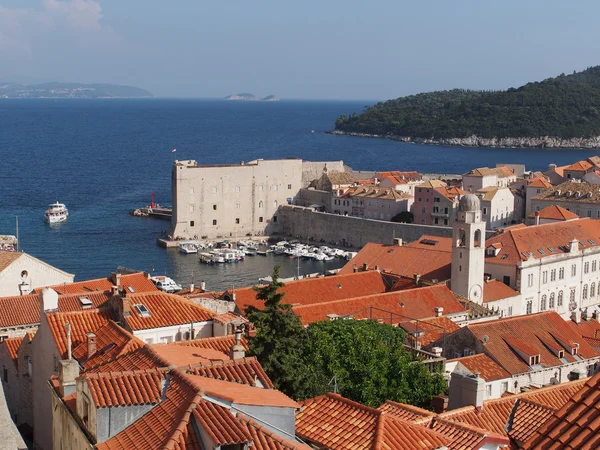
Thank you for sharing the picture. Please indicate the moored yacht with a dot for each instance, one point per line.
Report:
(57, 212)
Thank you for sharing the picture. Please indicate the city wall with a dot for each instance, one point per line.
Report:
(305, 223)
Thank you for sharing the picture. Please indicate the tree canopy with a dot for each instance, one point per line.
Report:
(565, 106)
(365, 360)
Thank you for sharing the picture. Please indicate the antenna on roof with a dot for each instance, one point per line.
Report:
(335, 384)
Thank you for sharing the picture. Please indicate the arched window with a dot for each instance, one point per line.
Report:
(592, 290)
(462, 238)
(543, 303)
(260, 204)
(552, 301)
(584, 292)
(274, 203)
(560, 298)
(477, 238)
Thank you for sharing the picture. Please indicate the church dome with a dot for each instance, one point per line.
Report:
(469, 202)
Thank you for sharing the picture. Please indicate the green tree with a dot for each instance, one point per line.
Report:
(279, 336)
(404, 217)
(369, 362)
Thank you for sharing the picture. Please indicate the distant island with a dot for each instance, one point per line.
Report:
(71, 90)
(251, 98)
(558, 112)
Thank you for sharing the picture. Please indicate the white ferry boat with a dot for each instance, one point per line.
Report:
(56, 213)
(188, 247)
(165, 284)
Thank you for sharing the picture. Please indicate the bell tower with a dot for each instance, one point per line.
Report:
(468, 250)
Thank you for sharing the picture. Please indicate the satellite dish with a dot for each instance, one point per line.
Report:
(485, 339)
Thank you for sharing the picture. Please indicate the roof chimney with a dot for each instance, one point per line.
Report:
(91, 344)
(537, 217)
(355, 269)
(114, 291)
(551, 166)
(237, 350)
(126, 301)
(68, 371)
(417, 278)
(202, 286)
(437, 351)
(465, 390)
(68, 327)
(398, 242)
(439, 311)
(574, 246)
(576, 316)
(192, 288)
(48, 300)
(116, 278)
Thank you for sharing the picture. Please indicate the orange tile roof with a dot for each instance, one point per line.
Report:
(527, 416)
(589, 328)
(495, 413)
(540, 183)
(242, 394)
(125, 388)
(229, 317)
(529, 333)
(316, 290)
(139, 282)
(554, 212)
(379, 193)
(419, 303)
(112, 341)
(400, 177)
(12, 347)
(464, 436)
(496, 290)
(501, 172)
(334, 422)
(165, 310)
(429, 261)
(82, 322)
(580, 166)
(264, 439)
(403, 411)
(484, 365)
(521, 243)
(181, 356)
(432, 184)
(575, 425)
(220, 424)
(432, 329)
(451, 192)
(141, 359)
(245, 371)
(220, 343)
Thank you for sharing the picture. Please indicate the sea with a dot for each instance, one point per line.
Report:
(104, 157)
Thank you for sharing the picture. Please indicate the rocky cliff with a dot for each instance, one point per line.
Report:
(476, 141)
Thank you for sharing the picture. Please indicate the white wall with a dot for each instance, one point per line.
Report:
(175, 333)
(499, 211)
(40, 274)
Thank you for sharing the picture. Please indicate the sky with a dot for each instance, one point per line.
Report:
(307, 49)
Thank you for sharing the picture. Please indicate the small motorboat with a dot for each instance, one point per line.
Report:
(188, 247)
(56, 213)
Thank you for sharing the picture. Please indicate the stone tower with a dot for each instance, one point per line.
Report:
(468, 250)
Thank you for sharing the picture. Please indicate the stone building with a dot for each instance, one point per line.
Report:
(497, 206)
(577, 196)
(436, 203)
(21, 273)
(372, 202)
(236, 200)
(484, 177)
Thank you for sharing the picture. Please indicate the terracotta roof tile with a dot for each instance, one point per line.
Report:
(333, 422)
(264, 439)
(12, 347)
(573, 191)
(504, 337)
(419, 303)
(125, 388)
(484, 365)
(181, 356)
(220, 424)
(432, 184)
(165, 310)
(527, 416)
(452, 193)
(522, 243)
(432, 329)
(464, 436)
(316, 290)
(575, 425)
(496, 290)
(220, 343)
(554, 212)
(242, 394)
(379, 193)
(495, 413)
(82, 322)
(229, 317)
(590, 328)
(245, 371)
(580, 166)
(405, 412)
(429, 261)
(539, 182)
(400, 177)
(112, 341)
(139, 282)
(500, 172)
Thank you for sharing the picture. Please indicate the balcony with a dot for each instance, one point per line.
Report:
(443, 214)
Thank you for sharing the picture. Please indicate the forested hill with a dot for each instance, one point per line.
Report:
(567, 106)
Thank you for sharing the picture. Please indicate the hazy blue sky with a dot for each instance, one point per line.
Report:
(374, 49)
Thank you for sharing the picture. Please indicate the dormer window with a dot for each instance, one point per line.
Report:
(533, 360)
(142, 310)
(85, 302)
(561, 354)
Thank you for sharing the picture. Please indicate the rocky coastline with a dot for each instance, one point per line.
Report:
(476, 141)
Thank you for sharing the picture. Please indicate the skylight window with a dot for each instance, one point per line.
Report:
(552, 249)
(85, 302)
(541, 250)
(591, 241)
(429, 242)
(142, 310)
(130, 289)
(505, 256)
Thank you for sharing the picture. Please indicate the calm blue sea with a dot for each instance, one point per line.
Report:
(104, 157)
